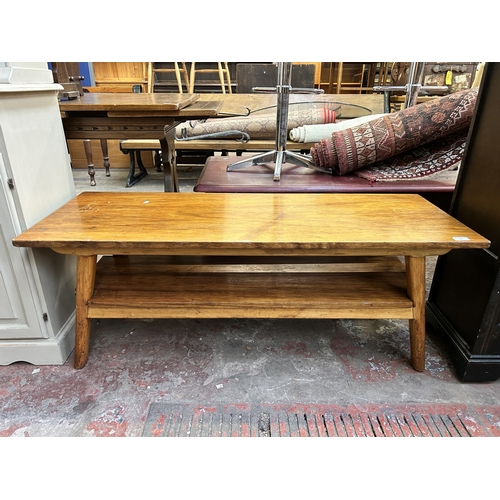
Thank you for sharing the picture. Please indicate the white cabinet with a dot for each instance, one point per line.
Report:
(37, 301)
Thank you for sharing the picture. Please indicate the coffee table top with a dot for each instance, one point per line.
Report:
(250, 224)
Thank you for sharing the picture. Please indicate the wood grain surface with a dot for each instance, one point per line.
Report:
(124, 102)
(250, 224)
(254, 294)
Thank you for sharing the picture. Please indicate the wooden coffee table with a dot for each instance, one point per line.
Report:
(274, 255)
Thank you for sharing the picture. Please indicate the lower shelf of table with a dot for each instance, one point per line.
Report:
(203, 287)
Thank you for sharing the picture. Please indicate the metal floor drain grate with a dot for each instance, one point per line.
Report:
(177, 420)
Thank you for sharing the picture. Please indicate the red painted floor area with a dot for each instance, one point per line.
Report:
(253, 377)
(311, 377)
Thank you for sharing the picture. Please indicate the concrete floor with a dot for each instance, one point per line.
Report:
(136, 363)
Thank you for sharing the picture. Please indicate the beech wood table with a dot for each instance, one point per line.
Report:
(211, 255)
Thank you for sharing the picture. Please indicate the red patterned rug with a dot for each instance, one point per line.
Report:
(424, 161)
(415, 142)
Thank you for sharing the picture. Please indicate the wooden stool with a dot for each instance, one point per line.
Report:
(176, 69)
(220, 70)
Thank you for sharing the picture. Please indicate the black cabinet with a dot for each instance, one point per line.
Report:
(464, 299)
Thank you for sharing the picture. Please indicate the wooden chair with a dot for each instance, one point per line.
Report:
(378, 74)
(176, 69)
(337, 82)
(384, 73)
(223, 71)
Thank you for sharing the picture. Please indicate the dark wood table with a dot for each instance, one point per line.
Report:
(190, 255)
(135, 116)
(215, 178)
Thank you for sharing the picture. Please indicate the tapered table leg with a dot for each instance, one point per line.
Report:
(85, 281)
(415, 275)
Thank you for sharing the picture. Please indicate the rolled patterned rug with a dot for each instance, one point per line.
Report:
(315, 133)
(396, 133)
(258, 125)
